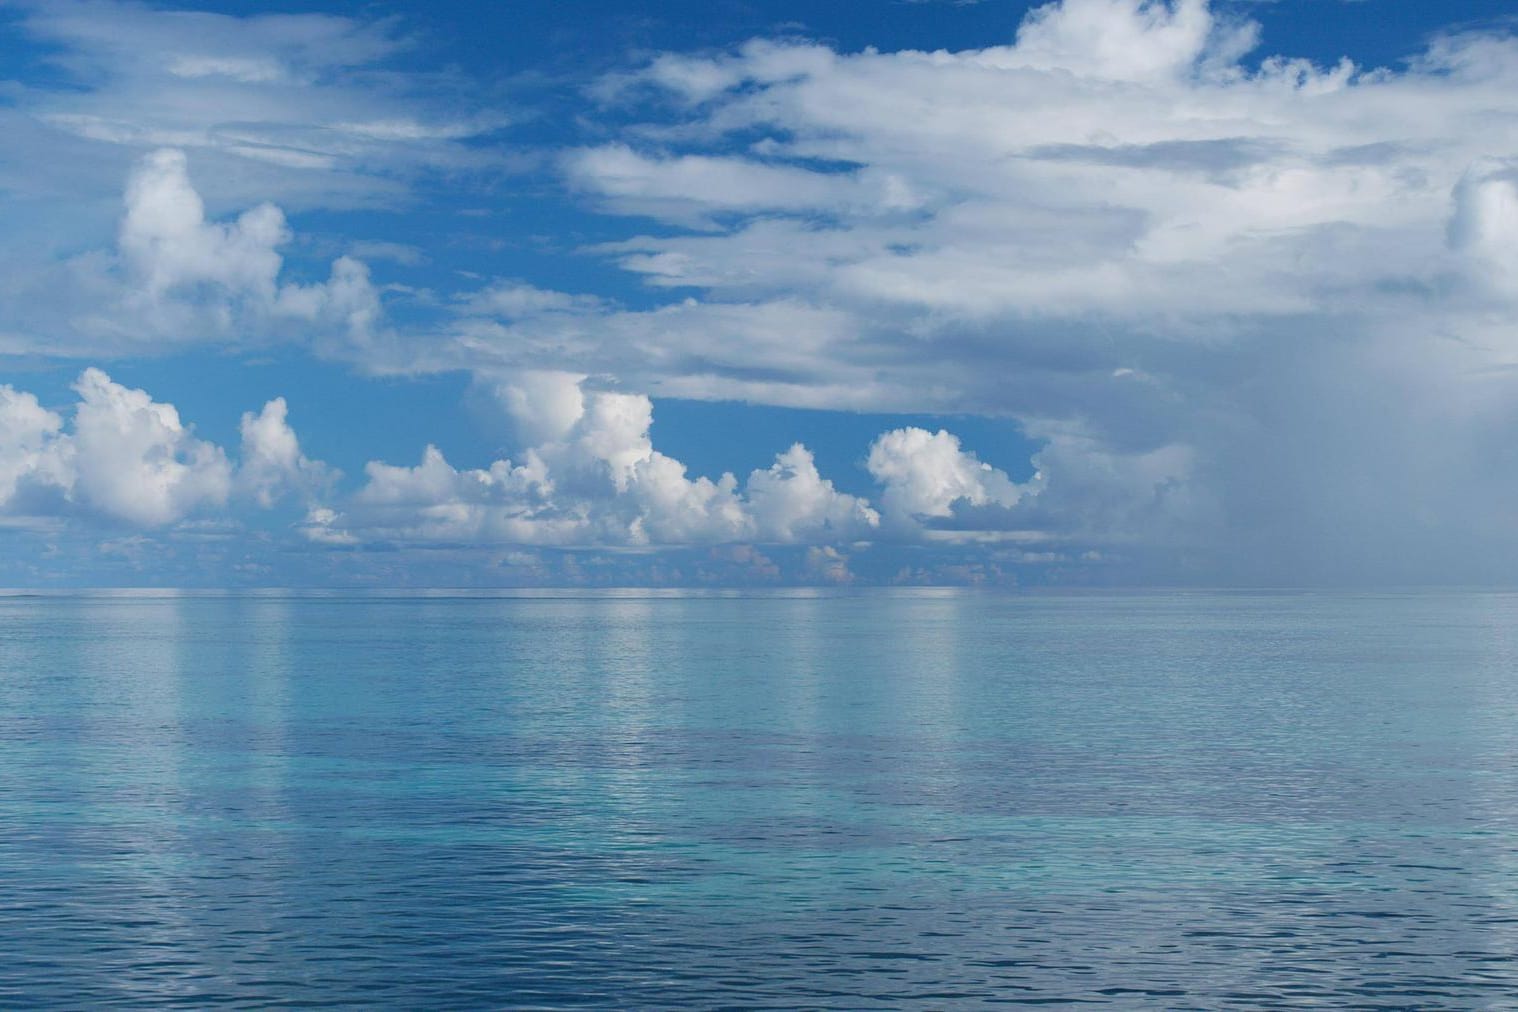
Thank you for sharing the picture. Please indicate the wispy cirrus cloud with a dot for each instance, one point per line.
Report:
(287, 92)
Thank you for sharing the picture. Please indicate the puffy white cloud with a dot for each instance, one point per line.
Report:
(177, 278)
(675, 509)
(614, 430)
(134, 460)
(545, 405)
(32, 456)
(1114, 39)
(168, 243)
(525, 504)
(279, 108)
(926, 474)
(346, 301)
(125, 458)
(434, 502)
(595, 478)
(791, 501)
(596, 481)
(272, 464)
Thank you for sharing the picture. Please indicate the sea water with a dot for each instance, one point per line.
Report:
(787, 799)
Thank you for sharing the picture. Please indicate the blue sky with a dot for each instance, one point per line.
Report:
(1091, 292)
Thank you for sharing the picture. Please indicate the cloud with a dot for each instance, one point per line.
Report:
(302, 106)
(169, 247)
(516, 300)
(134, 461)
(545, 405)
(1256, 310)
(1088, 492)
(32, 457)
(791, 501)
(271, 462)
(926, 475)
(697, 189)
(1484, 224)
(168, 244)
(434, 502)
(123, 458)
(1117, 40)
(247, 70)
(1242, 300)
(593, 477)
(827, 564)
(176, 278)
(323, 526)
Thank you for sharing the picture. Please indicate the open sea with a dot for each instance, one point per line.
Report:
(944, 799)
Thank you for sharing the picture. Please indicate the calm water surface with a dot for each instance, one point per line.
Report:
(789, 800)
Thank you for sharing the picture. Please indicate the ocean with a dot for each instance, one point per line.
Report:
(791, 799)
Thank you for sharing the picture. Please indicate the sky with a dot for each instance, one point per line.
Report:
(1084, 293)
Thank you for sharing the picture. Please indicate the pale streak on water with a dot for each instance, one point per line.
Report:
(1189, 801)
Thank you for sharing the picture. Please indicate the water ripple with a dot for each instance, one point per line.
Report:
(1187, 802)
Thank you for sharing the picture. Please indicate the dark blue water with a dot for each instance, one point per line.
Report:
(632, 800)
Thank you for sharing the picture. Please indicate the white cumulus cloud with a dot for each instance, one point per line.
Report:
(123, 457)
(33, 457)
(134, 460)
(925, 474)
(791, 501)
(178, 278)
(167, 241)
(271, 462)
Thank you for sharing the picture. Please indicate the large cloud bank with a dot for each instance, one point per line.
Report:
(595, 479)
(1260, 310)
